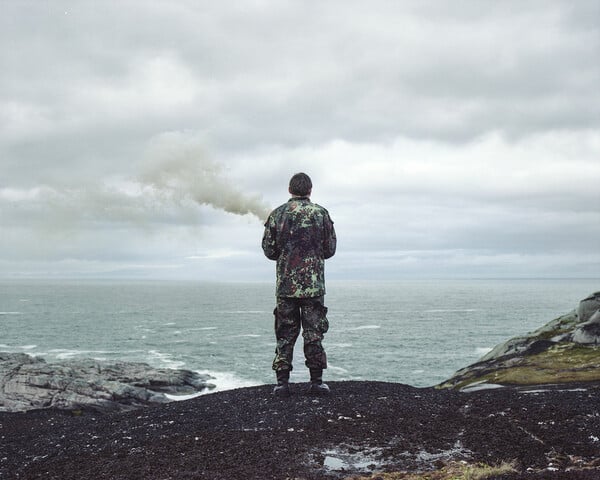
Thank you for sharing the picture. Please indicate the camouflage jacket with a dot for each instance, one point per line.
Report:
(299, 234)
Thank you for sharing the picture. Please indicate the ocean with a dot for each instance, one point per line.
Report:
(417, 332)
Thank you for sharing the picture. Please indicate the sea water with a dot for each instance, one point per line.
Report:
(417, 332)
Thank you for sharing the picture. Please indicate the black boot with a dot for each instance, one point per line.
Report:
(317, 387)
(282, 389)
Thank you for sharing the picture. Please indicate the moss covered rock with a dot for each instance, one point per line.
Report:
(565, 350)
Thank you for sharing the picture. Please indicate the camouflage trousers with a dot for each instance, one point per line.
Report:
(290, 315)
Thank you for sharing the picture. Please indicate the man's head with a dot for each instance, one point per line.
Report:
(300, 185)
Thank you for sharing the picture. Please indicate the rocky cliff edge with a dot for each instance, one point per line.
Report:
(565, 350)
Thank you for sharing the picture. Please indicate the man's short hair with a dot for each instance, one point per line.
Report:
(300, 185)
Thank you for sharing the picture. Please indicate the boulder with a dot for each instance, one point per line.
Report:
(28, 383)
(588, 332)
(588, 306)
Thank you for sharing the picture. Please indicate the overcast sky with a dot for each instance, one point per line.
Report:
(446, 138)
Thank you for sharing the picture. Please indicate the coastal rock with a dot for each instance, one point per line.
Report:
(588, 306)
(567, 349)
(588, 332)
(28, 383)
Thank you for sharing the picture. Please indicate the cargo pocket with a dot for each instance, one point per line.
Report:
(323, 322)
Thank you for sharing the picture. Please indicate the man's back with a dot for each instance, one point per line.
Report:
(300, 236)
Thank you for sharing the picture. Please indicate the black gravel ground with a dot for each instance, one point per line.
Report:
(363, 427)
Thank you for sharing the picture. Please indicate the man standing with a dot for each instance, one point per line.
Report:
(299, 235)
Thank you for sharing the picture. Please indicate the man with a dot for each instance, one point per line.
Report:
(299, 235)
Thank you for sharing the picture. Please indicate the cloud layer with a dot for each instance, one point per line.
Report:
(144, 139)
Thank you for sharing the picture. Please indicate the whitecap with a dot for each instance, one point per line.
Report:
(166, 359)
(226, 381)
(64, 354)
(366, 327)
(67, 355)
(451, 310)
(17, 348)
(250, 335)
(11, 313)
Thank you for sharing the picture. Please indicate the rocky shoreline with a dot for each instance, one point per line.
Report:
(28, 383)
(363, 428)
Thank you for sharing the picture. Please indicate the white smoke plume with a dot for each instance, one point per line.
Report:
(178, 170)
(173, 180)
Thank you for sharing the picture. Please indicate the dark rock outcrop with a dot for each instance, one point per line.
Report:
(564, 350)
(360, 429)
(28, 383)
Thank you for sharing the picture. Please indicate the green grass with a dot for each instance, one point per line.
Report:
(452, 471)
(563, 363)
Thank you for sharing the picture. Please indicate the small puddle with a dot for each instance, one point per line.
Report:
(344, 460)
(334, 463)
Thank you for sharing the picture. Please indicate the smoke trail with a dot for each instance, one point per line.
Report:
(173, 180)
(178, 170)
